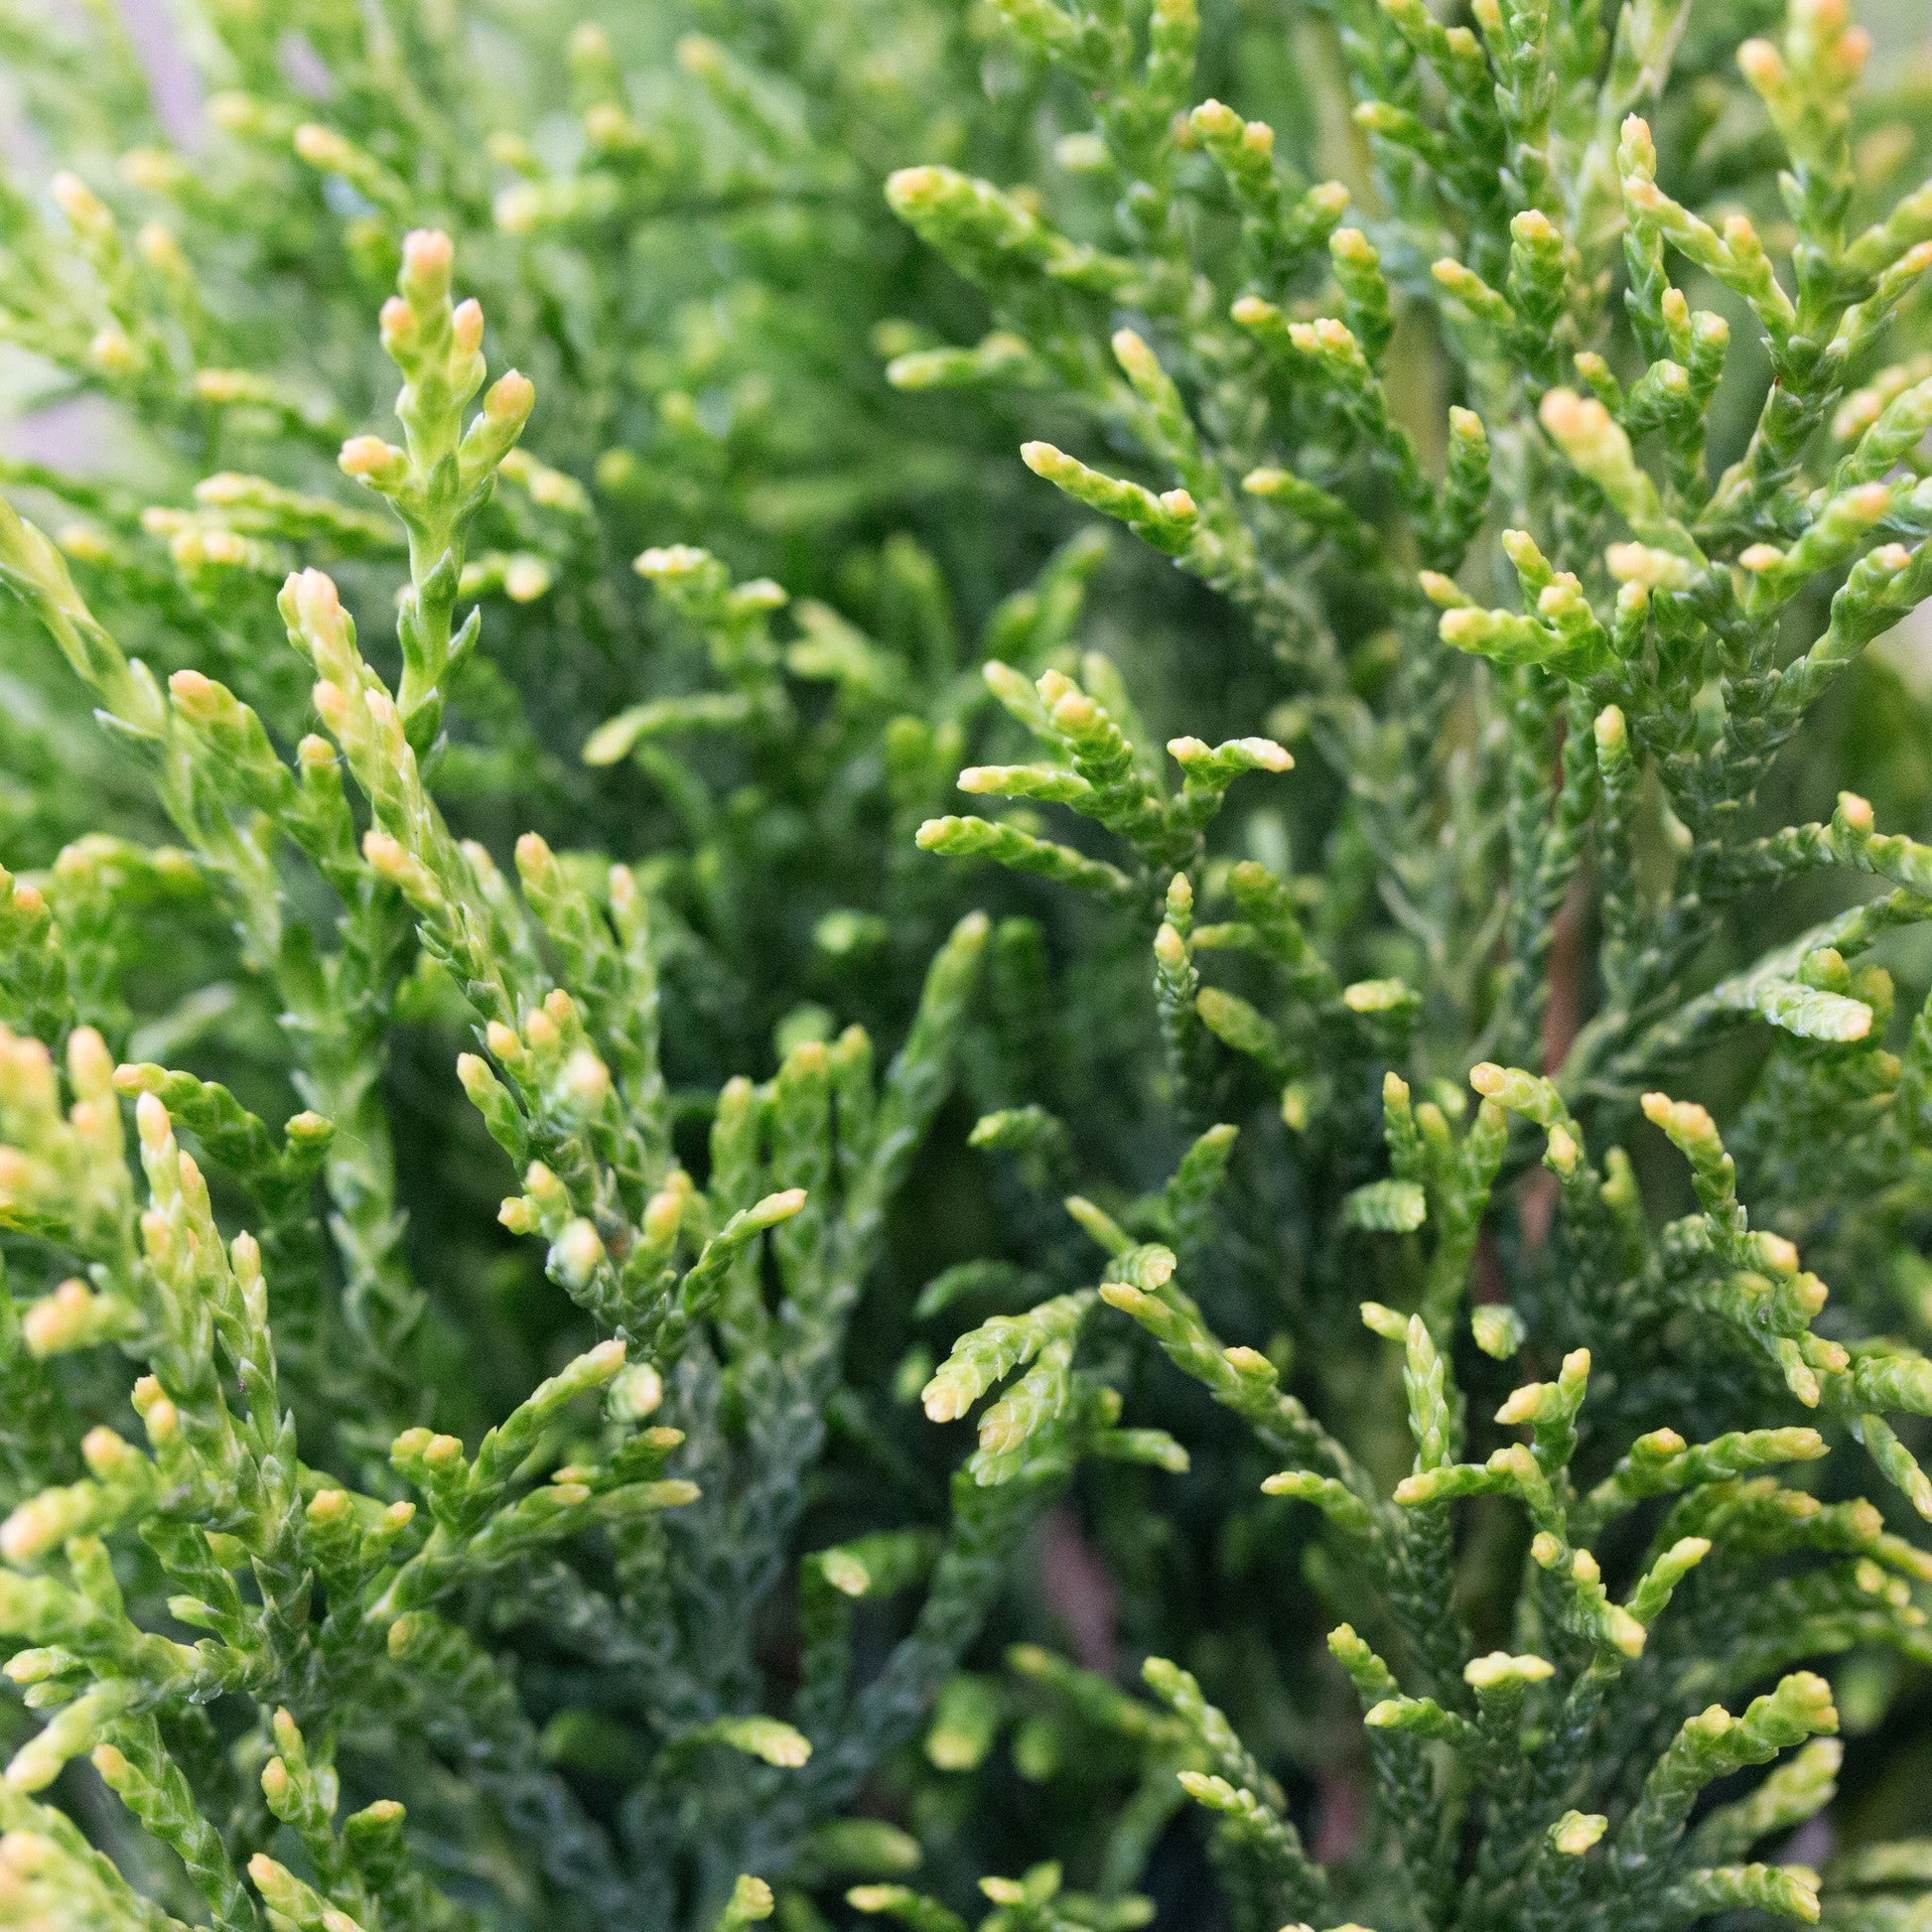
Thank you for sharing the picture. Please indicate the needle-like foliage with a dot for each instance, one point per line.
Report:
(618, 907)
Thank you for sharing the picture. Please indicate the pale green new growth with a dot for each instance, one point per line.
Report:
(543, 543)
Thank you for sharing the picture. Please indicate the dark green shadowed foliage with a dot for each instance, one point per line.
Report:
(620, 902)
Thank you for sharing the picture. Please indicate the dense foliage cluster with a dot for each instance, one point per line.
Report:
(526, 1100)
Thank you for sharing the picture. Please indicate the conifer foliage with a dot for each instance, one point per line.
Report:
(622, 905)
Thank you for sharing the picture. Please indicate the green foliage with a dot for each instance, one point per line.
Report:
(521, 1125)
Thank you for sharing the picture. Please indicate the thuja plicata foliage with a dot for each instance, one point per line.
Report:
(598, 946)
